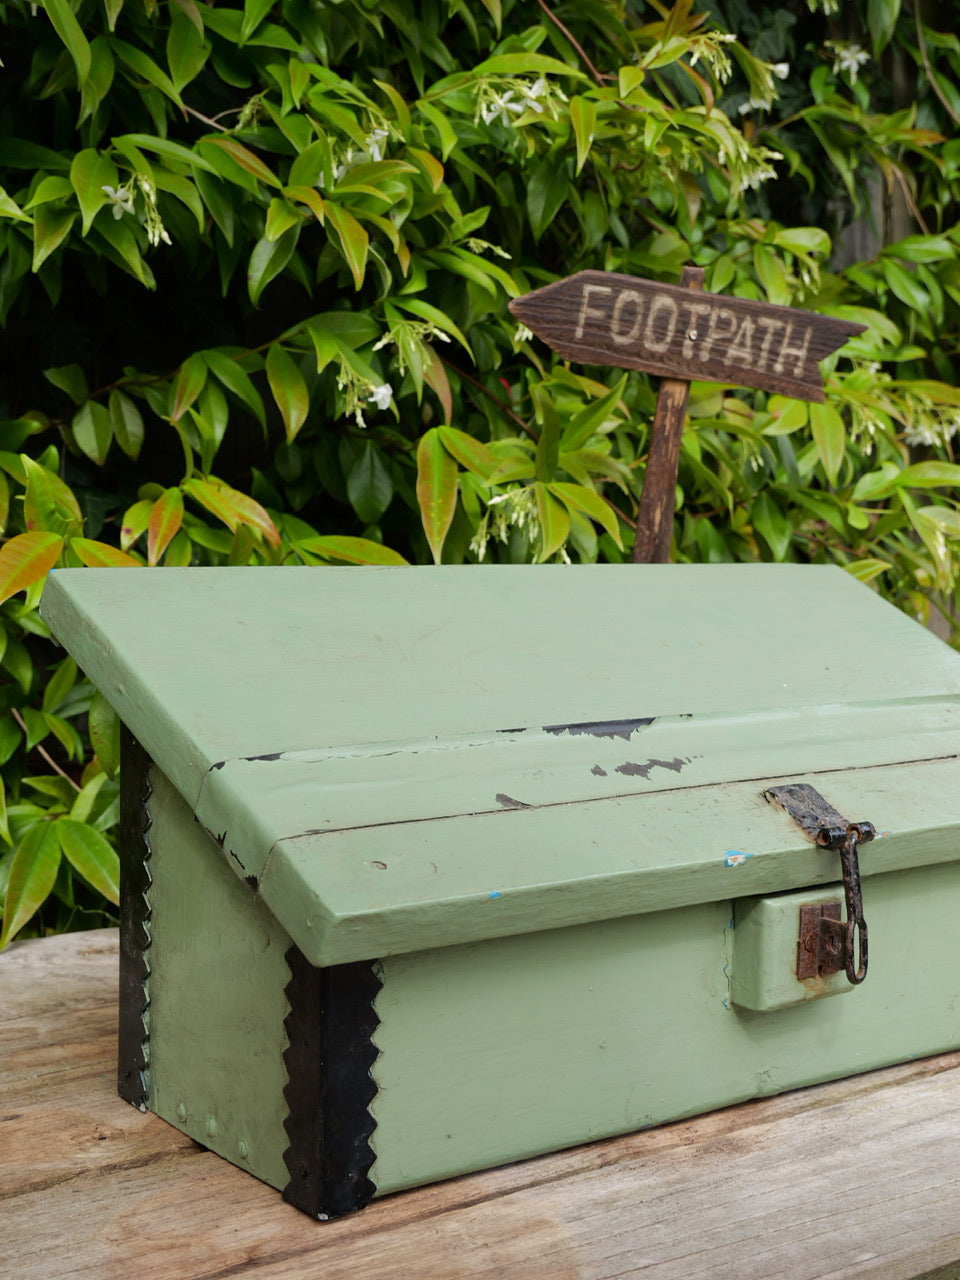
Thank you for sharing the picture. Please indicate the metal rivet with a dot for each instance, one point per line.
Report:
(181, 1111)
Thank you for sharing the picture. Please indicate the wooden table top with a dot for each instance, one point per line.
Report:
(860, 1178)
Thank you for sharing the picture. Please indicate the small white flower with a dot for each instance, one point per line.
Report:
(121, 198)
(522, 334)
(502, 105)
(382, 395)
(847, 57)
(373, 143)
(780, 69)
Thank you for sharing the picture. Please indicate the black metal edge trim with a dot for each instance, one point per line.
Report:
(135, 881)
(329, 1086)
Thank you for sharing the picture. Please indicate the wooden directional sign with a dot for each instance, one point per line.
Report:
(600, 317)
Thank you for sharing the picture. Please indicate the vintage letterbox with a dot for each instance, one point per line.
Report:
(429, 869)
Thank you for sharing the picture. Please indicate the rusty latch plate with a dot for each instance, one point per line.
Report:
(820, 945)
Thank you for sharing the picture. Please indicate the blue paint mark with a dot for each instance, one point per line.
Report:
(734, 858)
(495, 893)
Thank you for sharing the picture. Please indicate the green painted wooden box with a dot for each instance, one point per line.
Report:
(429, 869)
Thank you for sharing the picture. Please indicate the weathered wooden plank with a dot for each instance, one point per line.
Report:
(758, 1190)
(655, 519)
(602, 317)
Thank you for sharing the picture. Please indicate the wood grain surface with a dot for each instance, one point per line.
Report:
(602, 317)
(855, 1179)
(658, 499)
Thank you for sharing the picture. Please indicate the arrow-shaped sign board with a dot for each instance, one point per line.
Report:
(601, 317)
(682, 334)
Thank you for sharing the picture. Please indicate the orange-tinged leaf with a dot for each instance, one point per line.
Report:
(166, 518)
(233, 507)
(245, 159)
(135, 521)
(435, 376)
(436, 489)
(26, 559)
(308, 196)
(100, 555)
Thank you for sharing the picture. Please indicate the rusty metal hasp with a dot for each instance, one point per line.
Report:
(828, 944)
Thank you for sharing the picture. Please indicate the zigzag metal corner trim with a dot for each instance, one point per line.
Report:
(329, 1087)
(135, 881)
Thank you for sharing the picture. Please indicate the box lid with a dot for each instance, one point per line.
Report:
(401, 758)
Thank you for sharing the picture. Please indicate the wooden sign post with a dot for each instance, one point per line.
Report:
(682, 334)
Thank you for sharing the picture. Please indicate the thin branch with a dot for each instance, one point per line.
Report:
(42, 750)
(504, 408)
(576, 44)
(925, 58)
(908, 196)
(206, 119)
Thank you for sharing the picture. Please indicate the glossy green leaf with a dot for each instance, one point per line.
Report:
(369, 483)
(583, 117)
(104, 728)
(101, 555)
(144, 66)
(100, 79)
(350, 550)
(353, 240)
(127, 423)
(547, 190)
(49, 504)
(436, 490)
(929, 475)
(773, 526)
(289, 389)
(93, 431)
(71, 379)
(268, 259)
(471, 453)
(576, 497)
(830, 437)
(120, 237)
(254, 12)
(433, 315)
(90, 854)
(190, 381)
(554, 522)
(68, 29)
(881, 21)
(234, 379)
(186, 51)
(281, 215)
(32, 875)
(114, 8)
(51, 225)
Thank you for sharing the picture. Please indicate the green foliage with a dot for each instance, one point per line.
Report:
(255, 263)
